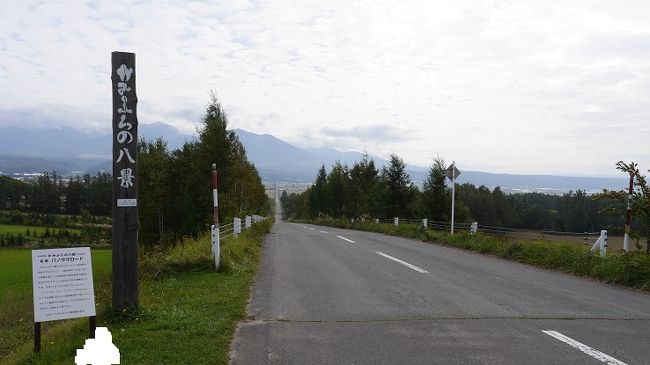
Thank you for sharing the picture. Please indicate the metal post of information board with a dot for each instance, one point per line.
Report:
(37, 337)
(92, 326)
(125, 182)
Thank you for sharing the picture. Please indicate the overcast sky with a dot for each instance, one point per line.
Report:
(552, 87)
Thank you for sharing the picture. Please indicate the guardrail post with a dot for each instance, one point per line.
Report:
(376, 220)
(236, 227)
(473, 228)
(601, 244)
(248, 222)
(425, 223)
(396, 221)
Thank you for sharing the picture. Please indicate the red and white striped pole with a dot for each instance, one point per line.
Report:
(215, 196)
(215, 217)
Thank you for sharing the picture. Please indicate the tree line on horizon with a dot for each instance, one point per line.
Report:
(175, 193)
(365, 191)
(49, 193)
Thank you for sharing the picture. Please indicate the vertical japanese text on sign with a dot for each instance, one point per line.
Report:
(125, 181)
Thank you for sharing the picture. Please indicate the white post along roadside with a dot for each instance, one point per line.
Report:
(236, 230)
(601, 244)
(473, 228)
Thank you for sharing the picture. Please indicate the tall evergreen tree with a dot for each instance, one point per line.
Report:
(154, 166)
(400, 190)
(74, 196)
(363, 183)
(337, 190)
(318, 199)
(436, 195)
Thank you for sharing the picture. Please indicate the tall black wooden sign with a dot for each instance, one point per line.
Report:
(125, 182)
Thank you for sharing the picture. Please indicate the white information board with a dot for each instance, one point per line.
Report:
(127, 202)
(63, 284)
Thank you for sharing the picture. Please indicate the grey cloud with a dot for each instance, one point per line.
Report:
(528, 68)
(615, 45)
(55, 116)
(371, 133)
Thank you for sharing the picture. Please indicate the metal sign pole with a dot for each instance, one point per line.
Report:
(453, 194)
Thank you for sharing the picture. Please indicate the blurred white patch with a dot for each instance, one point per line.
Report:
(99, 350)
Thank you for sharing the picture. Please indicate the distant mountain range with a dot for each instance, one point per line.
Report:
(281, 161)
(70, 152)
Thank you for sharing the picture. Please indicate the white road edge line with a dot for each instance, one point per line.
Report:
(584, 348)
(418, 269)
(345, 239)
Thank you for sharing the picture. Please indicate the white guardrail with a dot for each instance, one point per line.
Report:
(473, 228)
(228, 230)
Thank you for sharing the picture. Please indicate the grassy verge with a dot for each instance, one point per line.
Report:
(188, 312)
(16, 313)
(630, 269)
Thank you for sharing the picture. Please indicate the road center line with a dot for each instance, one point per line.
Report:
(322, 231)
(345, 239)
(584, 348)
(311, 229)
(418, 269)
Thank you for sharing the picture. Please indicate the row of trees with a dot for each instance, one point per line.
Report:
(365, 191)
(50, 193)
(175, 186)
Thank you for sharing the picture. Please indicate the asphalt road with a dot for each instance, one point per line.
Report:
(333, 296)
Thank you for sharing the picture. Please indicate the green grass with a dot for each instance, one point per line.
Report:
(17, 229)
(188, 312)
(16, 316)
(630, 269)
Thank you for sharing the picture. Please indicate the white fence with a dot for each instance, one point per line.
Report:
(235, 228)
(230, 230)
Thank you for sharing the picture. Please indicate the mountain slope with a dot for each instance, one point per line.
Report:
(280, 161)
(69, 151)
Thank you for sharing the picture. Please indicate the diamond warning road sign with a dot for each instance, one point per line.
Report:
(452, 172)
